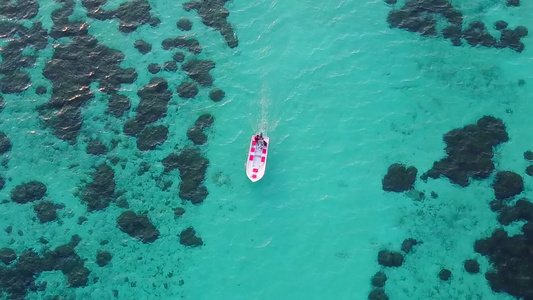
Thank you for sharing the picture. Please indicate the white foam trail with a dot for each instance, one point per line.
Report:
(265, 123)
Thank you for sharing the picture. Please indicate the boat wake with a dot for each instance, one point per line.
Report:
(264, 121)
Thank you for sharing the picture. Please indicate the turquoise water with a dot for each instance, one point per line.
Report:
(342, 96)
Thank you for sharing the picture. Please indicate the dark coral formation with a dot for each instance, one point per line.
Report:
(188, 238)
(423, 16)
(471, 266)
(103, 258)
(529, 170)
(379, 279)
(182, 42)
(388, 258)
(170, 66)
(214, 15)
(178, 212)
(521, 210)
(131, 14)
(445, 274)
(62, 26)
(196, 134)
(511, 258)
(142, 46)
(99, 193)
(378, 294)
(408, 244)
(28, 192)
(18, 38)
(96, 147)
(22, 9)
(513, 2)
(198, 70)
(216, 94)
(192, 167)
(528, 155)
(40, 90)
(470, 151)
(496, 205)
(64, 258)
(74, 66)
(154, 68)
(7, 255)
(18, 279)
(138, 226)
(399, 178)
(184, 24)
(476, 34)
(153, 106)
(118, 105)
(187, 90)
(150, 137)
(507, 185)
(5, 143)
(179, 57)
(46, 211)
(500, 25)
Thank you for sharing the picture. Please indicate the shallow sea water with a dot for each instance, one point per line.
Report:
(342, 96)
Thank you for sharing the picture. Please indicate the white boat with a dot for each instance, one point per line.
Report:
(257, 159)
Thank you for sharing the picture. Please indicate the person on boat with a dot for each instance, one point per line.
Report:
(260, 140)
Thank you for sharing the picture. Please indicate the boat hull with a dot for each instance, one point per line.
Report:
(256, 161)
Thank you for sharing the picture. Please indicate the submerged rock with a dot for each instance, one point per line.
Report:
(471, 266)
(28, 192)
(72, 69)
(103, 258)
(399, 178)
(379, 279)
(137, 226)
(96, 147)
(5, 143)
(507, 185)
(214, 15)
(118, 105)
(184, 24)
(99, 193)
(216, 95)
(188, 238)
(46, 211)
(198, 70)
(445, 274)
(150, 137)
(142, 46)
(179, 57)
(192, 166)
(470, 151)
(7, 255)
(388, 258)
(187, 90)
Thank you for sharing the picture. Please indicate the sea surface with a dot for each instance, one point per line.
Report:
(342, 95)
